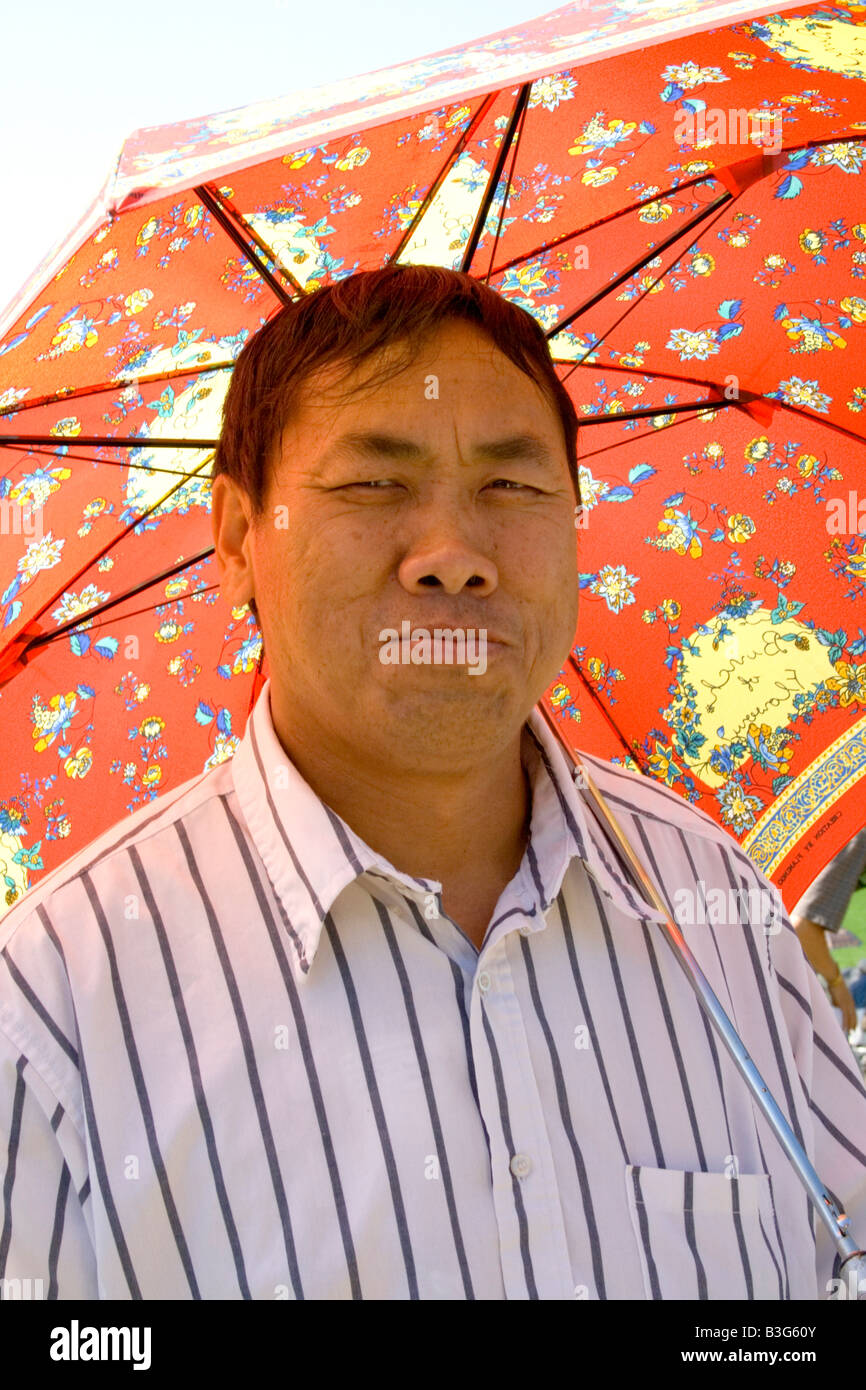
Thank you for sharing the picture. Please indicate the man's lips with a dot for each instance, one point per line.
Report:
(448, 624)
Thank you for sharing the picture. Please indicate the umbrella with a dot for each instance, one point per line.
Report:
(677, 261)
(577, 163)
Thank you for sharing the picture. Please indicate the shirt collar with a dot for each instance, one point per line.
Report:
(311, 854)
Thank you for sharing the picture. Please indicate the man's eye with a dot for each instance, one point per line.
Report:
(373, 483)
(510, 483)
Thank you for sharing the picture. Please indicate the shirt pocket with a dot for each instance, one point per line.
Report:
(704, 1235)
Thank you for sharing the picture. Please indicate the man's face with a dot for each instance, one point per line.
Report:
(441, 498)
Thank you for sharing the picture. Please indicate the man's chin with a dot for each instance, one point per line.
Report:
(456, 719)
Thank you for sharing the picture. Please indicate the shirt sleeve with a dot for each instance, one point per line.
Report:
(833, 1088)
(46, 1249)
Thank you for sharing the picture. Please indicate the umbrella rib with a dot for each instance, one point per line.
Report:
(74, 623)
(645, 411)
(493, 184)
(43, 451)
(655, 250)
(120, 385)
(602, 221)
(806, 415)
(440, 178)
(44, 638)
(94, 559)
(636, 754)
(237, 219)
(208, 198)
(720, 203)
(505, 195)
(710, 177)
(587, 454)
(130, 441)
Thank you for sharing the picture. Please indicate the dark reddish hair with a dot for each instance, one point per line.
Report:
(348, 322)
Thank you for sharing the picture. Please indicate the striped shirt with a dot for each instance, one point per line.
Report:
(243, 1056)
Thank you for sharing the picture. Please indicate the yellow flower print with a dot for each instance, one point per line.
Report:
(649, 284)
(41, 555)
(854, 307)
(147, 231)
(68, 427)
(596, 178)
(152, 775)
(811, 338)
(757, 449)
(703, 264)
(80, 764)
(662, 763)
(680, 533)
(354, 159)
(194, 215)
(811, 242)
(806, 465)
(671, 608)
(151, 727)
(598, 136)
(852, 686)
(740, 528)
(856, 565)
(169, 631)
(135, 302)
(298, 159)
(655, 212)
(52, 719)
(176, 586)
(73, 336)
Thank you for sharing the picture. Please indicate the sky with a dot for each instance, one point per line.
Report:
(80, 75)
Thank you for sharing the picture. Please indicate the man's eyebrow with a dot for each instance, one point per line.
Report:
(374, 444)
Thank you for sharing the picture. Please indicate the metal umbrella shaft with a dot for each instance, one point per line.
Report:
(836, 1222)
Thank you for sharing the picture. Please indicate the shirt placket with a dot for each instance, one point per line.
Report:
(533, 1248)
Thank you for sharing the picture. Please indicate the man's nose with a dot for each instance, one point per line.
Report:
(445, 557)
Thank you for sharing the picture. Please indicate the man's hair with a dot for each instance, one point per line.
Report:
(346, 323)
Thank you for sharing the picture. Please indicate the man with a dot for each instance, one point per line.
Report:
(389, 1022)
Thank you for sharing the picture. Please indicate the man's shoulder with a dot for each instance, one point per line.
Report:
(658, 803)
(157, 817)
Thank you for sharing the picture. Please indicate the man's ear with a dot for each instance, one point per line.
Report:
(231, 528)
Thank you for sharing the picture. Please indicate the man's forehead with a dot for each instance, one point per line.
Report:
(454, 340)
(337, 399)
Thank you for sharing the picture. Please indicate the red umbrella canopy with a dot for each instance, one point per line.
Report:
(678, 207)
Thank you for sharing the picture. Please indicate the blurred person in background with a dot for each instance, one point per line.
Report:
(822, 909)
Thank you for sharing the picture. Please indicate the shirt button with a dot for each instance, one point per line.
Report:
(521, 1165)
(525, 928)
(484, 982)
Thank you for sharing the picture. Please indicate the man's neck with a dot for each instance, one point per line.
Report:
(466, 829)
